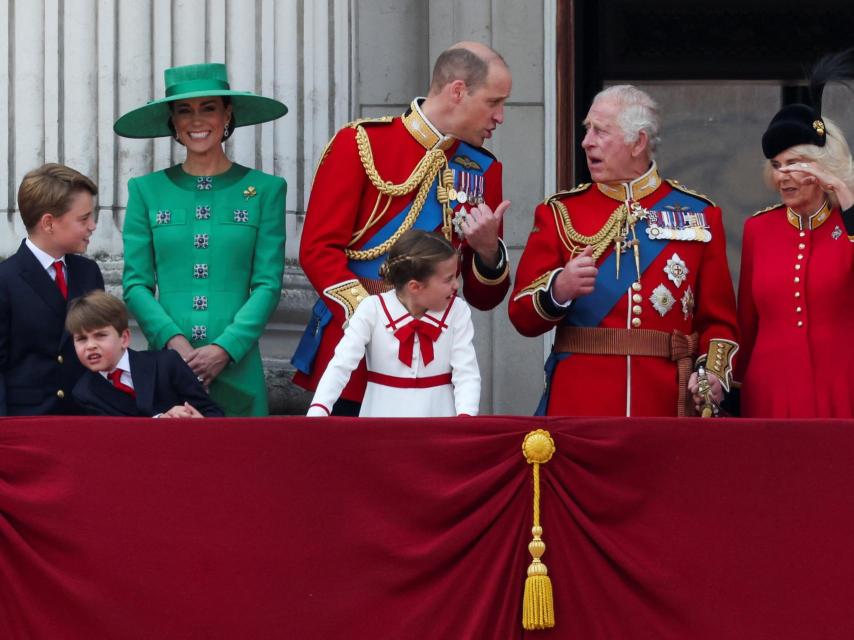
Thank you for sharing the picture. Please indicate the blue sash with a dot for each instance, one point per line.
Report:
(590, 311)
(430, 217)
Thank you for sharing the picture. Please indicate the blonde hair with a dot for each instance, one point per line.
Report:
(834, 157)
(49, 189)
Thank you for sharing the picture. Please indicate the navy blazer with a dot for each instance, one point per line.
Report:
(161, 380)
(38, 364)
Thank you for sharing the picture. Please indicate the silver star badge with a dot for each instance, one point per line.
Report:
(676, 270)
(457, 221)
(837, 233)
(662, 300)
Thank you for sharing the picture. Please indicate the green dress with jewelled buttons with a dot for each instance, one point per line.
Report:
(204, 257)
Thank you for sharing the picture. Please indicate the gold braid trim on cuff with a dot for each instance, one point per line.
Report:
(719, 360)
(540, 284)
(539, 287)
(505, 273)
(421, 178)
(349, 294)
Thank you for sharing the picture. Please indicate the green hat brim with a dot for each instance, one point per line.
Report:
(151, 120)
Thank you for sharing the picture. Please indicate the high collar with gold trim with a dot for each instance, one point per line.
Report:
(634, 190)
(424, 131)
(815, 220)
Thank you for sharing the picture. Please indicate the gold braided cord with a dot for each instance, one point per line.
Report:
(426, 169)
(536, 494)
(601, 240)
(372, 219)
(422, 177)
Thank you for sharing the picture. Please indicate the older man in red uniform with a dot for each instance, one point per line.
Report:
(379, 177)
(631, 270)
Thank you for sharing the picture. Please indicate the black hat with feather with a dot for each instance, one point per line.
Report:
(797, 124)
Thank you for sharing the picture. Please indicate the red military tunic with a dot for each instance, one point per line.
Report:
(796, 314)
(684, 286)
(347, 211)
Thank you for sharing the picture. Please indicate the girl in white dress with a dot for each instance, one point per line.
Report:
(416, 339)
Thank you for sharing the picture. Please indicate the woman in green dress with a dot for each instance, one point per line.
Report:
(204, 241)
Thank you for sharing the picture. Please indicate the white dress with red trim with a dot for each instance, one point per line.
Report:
(423, 367)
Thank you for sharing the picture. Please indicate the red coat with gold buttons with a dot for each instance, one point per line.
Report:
(684, 285)
(346, 211)
(796, 314)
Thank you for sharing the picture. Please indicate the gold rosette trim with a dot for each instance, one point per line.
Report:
(538, 601)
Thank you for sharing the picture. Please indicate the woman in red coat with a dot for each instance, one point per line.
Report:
(796, 292)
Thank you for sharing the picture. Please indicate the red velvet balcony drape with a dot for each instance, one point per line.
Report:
(347, 528)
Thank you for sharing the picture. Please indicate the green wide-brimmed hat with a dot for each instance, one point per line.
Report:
(196, 81)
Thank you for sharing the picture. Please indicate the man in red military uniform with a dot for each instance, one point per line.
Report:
(631, 270)
(379, 177)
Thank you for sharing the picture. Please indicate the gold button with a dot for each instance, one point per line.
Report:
(60, 394)
(797, 294)
(803, 234)
(800, 323)
(798, 310)
(800, 256)
(636, 286)
(797, 267)
(636, 322)
(802, 246)
(354, 291)
(637, 298)
(797, 279)
(637, 309)
(60, 359)
(360, 297)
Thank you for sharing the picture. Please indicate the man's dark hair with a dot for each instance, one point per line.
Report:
(460, 64)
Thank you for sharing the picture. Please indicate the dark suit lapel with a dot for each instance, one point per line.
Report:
(76, 286)
(42, 284)
(143, 370)
(101, 393)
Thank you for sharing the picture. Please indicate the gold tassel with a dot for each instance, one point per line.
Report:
(538, 601)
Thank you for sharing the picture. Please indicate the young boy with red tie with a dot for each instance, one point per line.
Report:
(38, 367)
(124, 382)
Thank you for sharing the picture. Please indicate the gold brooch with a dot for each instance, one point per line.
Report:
(250, 192)
(818, 125)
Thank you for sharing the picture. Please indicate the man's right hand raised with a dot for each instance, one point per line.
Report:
(578, 277)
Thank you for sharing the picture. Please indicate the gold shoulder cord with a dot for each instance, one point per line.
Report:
(421, 177)
(601, 240)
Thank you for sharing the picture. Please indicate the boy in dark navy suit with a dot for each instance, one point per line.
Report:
(124, 382)
(38, 367)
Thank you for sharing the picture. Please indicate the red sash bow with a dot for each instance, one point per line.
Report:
(427, 335)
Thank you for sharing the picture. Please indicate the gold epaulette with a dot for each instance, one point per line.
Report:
(767, 209)
(579, 188)
(360, 121)
(681, 187)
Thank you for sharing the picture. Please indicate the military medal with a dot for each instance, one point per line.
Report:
(452, 192)
(837, 233)
(462, 195)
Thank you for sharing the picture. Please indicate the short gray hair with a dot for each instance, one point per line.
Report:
(638, 112)
(834, 157)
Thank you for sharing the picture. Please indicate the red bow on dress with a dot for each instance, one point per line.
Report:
(427, 335)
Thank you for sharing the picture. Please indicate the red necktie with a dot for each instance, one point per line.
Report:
(116, 378)
(60, 278)
(427, 335)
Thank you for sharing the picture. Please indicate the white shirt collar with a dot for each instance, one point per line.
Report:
(124, 365)
(45, 259)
